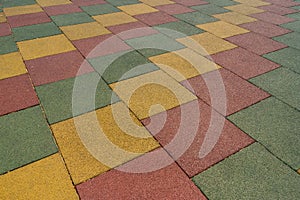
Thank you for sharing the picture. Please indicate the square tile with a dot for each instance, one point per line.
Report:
(281, 83)
(206, 43)
(244, 9)
(46, 46)
(8, 44)
(106, 132)
(173, 9)
(222, 29)
(122, 3)
(71, 19)
(17, 93)
(290, 39)
(155, 18)
(114, 19)
(190, 2)
(62, 9)
(254, 3)
(181, 122)
(266, 121)
(45, 3)
(234, 18)
(88, 2)
(288, 57)
(265, 28)
(278, 9)
(256, 43)
(21, 10)
(85, 30)
(239, 93)
(28, 140)
(295, 26)
(11, 65)
(222, 3)
(137, 9)
(210, 9)
(284, 3)
(238, 176)
(157, 2)
(195, 18)
(183, 64)
(159, 184)
(46, 178)
(244, 63)
(35, 31)
(272, 18)
(5, 29)
(67, 65)
(28, 19)
(57, 97)
(100, 9)
(142, 92)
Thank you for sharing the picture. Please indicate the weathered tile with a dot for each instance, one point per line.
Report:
(195, 18)
(8, 44)
(62, 9)
(294, 16)
(21, 10)
(155, 18)
(173, 9)
(2, 17)
(210, 9)
(88, 2)
(137, 9)
(278, 9)
(244, 9)
(100, 9)
(254, 3)
(7, 4)
(295, 26)
(190, 2)
(113, 19)
(272, 18)
(28, 19)
(290, 39)
(11, 65)
(283, 3)
(222, 3)
(157, 2)
(71, 19)
(45, 3)
(122, 3)
(234, 18)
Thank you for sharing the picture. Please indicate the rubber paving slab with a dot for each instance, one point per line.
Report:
(149, 99)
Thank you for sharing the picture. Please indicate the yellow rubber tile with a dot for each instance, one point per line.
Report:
(234, 18)
(157, 2)
(112, 19)
(46, 46)
(253, 3)
(86, 30)
(112, 134)
(184, 64)
(222, 29)
(44, 179)
(136, 9)
(20, 10)
(208, 42)
(143, 94)
(2, 17)
(244, 9)
(45, 3)
(11, 65)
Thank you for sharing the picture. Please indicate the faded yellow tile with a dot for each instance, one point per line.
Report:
(244, 9)
(45, 3)
(112, 19)
(222, 29)
(2, 17)
(86, 30)
(206, 43)
(184, 64)
(112, 134)
(144, 93)
(253, 3)
(46, 46)
(11, 65)
(44, 179)
(136, 9)
(234, 18)
(157, 2)
(298, 171)
(20, 10)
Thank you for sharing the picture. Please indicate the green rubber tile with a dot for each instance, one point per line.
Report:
(252, 173)
(287, 57)
(71, 19)
(122, 66)
(275, 125)
(25, 137)
(100, 9)
(183, 28)
(210, 9)
(123, 2)
(281, 83)
(294, 15)
(222, 3)
(7, 44)
(195, 18)
(57, 97)
(290, 39)
(295, 26)
(296, 7)
(11, 3)
(151, 52)
(35, 31)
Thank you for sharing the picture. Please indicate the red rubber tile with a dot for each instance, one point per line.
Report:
(244, 63)
(256, 43)
(16, 93)
(285, 3)
(28, 19)
(272, 18)
(155, 18)
(173, 9)
(191, 2)
(57, 67)
(167, 183)
(225, 140)
(62, 9)
(278, 9)
(87, 2)
(265, 29)
(5, 29)
(239, 92)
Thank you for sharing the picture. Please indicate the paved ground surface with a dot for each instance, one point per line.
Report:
(232, 127)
